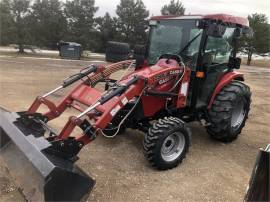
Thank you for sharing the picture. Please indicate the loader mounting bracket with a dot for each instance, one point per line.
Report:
(27, 118)
(67, 148)
(88, 129)
(34, 124)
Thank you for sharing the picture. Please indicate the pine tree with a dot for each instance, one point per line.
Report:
(132, 21)
(173, 8)
(260, 40)
(261, 29)
(48, 22)
(106, 27)
(6, 23)
(80, 17)
(16, 21)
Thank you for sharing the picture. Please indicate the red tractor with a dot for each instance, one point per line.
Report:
(187, 74)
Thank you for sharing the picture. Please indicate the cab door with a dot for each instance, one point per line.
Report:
(215, 63)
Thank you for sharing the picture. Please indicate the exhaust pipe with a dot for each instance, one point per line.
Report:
(40, 175)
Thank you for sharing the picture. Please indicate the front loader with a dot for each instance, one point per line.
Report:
(187, 75)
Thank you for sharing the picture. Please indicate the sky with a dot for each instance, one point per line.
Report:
(234, 7)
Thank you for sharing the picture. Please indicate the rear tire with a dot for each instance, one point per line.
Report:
(166, 143)
(229, 112)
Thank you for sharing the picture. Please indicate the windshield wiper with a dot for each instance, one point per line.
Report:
(190, 42)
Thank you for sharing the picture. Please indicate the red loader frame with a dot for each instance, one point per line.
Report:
(102, 107)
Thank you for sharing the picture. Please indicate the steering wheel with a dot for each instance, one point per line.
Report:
(169, 56)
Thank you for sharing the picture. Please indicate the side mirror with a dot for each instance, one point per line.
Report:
(216, 30)
(234, 63)
(207, 59)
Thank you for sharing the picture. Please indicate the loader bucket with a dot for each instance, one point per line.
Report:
(41, 176)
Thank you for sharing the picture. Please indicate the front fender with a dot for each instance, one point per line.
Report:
(225, 79)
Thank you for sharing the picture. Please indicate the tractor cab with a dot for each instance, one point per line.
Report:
(207, 45)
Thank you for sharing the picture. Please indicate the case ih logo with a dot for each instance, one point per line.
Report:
(162, 81)
(176, 71)
(167, 76)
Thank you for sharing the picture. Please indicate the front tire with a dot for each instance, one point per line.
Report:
(229, 112)
(166, 143)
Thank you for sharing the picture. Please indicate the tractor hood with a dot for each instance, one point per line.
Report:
(162, 72)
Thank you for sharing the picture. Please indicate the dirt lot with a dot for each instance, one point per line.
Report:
(212, 171)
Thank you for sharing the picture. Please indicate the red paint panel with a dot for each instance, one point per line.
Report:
(152, 105)
(182, 96)
(86, 95)
(229, 19)
(106, 117)
(223, 17)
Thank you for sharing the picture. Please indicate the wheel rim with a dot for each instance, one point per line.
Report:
(173, 146)
(238, 114)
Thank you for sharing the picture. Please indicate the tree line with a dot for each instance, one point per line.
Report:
(45, 22)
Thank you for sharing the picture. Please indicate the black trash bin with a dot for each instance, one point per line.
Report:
(70, 50)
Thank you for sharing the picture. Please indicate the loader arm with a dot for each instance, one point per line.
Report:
(94, 75)
(109, 104)
(57, 151)
(93, 105)
(32, 150)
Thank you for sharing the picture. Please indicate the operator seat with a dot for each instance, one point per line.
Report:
(207, 59)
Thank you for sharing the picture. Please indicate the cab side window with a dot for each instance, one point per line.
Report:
(220, 49)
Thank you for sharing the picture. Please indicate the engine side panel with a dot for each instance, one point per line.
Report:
(160, 77)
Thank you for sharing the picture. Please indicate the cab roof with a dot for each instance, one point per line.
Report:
(220, 17)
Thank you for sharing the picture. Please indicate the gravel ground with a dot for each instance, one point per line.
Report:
(212, 171)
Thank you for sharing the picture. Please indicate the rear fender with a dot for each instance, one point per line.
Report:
(225, 80)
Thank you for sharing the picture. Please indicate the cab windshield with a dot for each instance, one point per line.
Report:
(171, 36)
